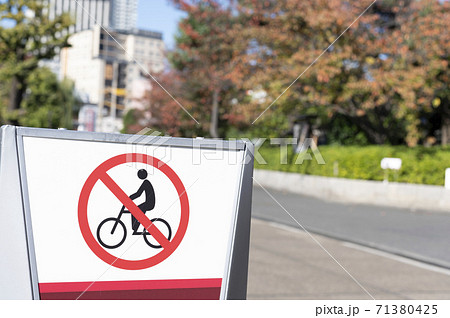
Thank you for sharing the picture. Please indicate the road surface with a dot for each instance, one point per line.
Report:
(421, 235)
(286, 263)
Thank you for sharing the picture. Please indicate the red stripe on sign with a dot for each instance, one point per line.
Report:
(153, 289)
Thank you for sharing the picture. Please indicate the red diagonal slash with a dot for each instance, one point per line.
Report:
(133, 208)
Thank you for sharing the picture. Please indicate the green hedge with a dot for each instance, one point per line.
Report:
(425, 165)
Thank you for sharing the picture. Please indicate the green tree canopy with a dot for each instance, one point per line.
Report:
(27, 36)
(48, 103)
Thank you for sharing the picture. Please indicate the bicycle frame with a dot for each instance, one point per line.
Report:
(118, 218)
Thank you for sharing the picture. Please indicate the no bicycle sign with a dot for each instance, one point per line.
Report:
(104, 216)
(164, 241)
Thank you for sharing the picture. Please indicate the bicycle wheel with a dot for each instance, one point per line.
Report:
(109, 239)
(163, 227)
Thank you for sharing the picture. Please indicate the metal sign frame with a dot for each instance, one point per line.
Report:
(18, 270)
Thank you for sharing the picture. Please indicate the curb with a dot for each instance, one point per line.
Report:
(399, 195)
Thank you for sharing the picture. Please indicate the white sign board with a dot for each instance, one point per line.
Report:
(141, 221)
(391, 163)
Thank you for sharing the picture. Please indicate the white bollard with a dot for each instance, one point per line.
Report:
(447, 178)
(390, 164)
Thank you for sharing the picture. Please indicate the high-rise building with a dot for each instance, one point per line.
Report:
(108, 58)
(124, 14)
(86, 13)
(108, 66)
(115, 14)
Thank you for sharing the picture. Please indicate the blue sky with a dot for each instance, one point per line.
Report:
(155, 15)
(159, 15)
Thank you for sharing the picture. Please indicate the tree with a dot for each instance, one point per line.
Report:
(287, 37)
(386, 76)
(27, 36)
(161, 113)
(423, 41)
(203, 58)
(385, 71)
(48, 103)
(408, 69)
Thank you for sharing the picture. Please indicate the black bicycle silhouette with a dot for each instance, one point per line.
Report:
(106, 223)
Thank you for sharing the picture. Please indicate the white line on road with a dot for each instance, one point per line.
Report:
(286, 227)
(373, 251)
(397, 258)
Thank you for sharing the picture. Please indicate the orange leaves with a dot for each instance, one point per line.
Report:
(360, 112)
(322, 76)
(388, 66)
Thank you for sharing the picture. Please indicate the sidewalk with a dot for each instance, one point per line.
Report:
(288, 264)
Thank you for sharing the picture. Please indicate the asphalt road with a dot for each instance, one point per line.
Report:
(286, 263)
(416, 234)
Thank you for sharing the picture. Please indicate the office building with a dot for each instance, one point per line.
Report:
(115, 14)
(124, 14)
(85, 13)
(107, 65)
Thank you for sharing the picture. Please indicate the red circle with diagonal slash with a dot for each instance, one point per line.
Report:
(100, 174)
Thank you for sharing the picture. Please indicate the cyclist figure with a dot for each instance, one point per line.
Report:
(105, 231)
(149, 203)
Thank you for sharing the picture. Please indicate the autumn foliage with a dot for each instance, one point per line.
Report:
(381, 68)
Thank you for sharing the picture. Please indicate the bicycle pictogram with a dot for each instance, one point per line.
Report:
(112, 232)
(104, 238)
